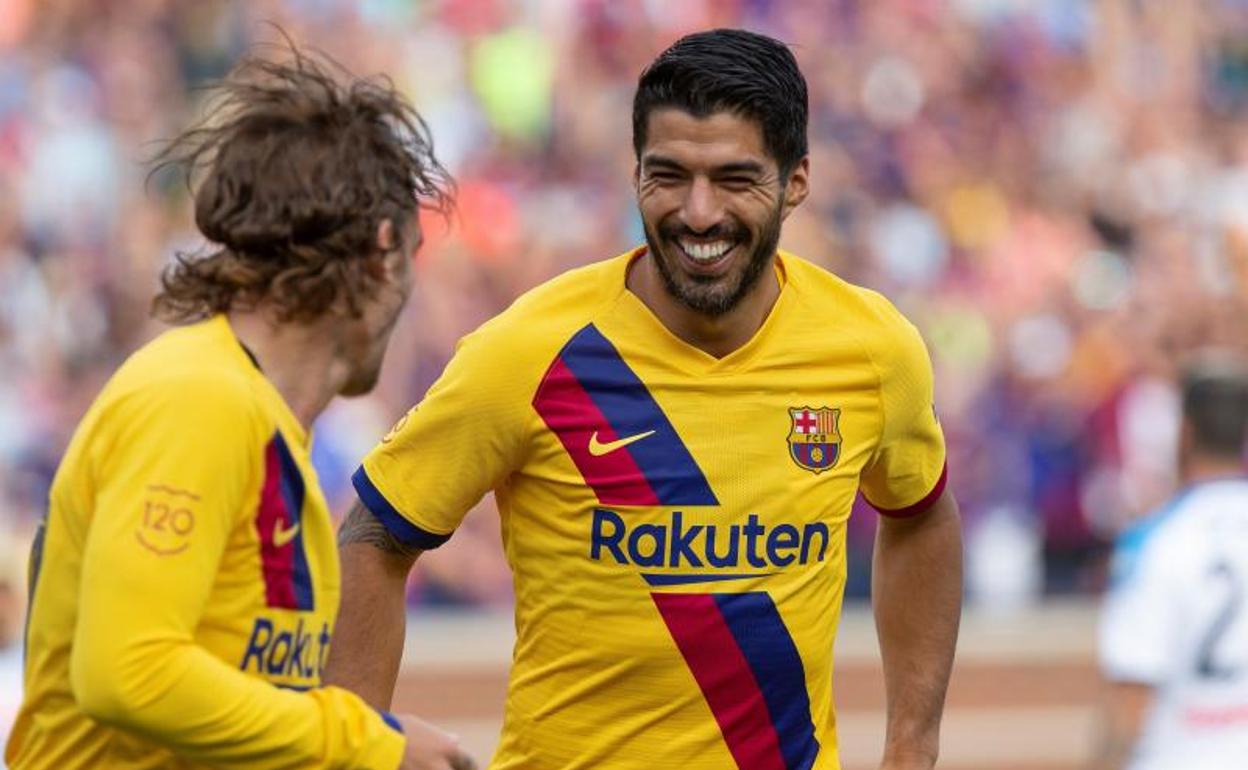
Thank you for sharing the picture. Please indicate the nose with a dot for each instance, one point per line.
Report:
(702, 209)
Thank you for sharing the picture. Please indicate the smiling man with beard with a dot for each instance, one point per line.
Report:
(675, 438)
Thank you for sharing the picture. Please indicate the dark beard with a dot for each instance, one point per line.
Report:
(701, 295)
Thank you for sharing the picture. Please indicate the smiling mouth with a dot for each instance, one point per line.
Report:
(705, 254)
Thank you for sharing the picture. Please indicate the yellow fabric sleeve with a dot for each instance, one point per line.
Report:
(458, 443)
(170, 483)
(907, 471)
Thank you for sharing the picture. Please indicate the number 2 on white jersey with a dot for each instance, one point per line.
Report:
(1209, 665)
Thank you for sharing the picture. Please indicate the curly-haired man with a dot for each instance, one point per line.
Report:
(185, 581)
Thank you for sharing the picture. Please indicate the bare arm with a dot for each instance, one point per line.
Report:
(1125, 708)
(916, 590)
(368, 637)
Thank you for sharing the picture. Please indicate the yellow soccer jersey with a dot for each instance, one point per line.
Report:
(185, 582)
(675, 523)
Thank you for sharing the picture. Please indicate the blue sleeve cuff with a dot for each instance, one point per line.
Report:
(391, 721)
(395, 523)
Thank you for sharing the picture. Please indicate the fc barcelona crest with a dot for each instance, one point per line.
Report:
(815, 437)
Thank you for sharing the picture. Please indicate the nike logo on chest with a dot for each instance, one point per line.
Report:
(598, 448)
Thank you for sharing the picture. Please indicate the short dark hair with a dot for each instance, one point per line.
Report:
(295, 166)
(1215, 404)
(730, 70)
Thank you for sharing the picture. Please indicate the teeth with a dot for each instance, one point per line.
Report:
(705, 252)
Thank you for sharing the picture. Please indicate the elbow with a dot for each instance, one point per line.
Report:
(98, 687)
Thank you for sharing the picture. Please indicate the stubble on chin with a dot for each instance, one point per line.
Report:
(716, 297)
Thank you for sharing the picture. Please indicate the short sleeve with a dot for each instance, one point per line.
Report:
(1139, 618)
(459, 442)
(907, 472)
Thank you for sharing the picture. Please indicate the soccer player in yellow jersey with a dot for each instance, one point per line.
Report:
(185, 582)
(675, 438)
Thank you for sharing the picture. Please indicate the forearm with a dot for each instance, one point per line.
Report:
(1113, 751)
(367, 646)
(1126, 705)
(136, 662)
(917, 596)
(181, 697)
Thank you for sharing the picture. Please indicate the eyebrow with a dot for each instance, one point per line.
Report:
(736, 167)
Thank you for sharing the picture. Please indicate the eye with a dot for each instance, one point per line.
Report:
(664, 176)
(736, 182)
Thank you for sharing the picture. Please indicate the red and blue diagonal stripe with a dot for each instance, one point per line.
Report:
(749, 671)
(287, 580)
(589, 390)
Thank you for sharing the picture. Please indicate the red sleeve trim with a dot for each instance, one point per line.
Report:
(927, 502)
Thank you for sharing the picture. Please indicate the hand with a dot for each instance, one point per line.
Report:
(429, 748)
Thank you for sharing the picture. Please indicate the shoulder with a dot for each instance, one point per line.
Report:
(183, 375)
(1151, 542)
(165, 405)
(538, 323)
(826, 293)
(581, 289)
(888, 341)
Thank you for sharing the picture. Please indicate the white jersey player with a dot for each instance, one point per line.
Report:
(1174, 633)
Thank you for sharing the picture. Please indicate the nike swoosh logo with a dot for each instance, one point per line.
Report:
(598, 449)
(283, 536)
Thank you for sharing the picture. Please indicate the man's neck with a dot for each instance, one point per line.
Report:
(299, 359)
(717, 336)
(1200, 467)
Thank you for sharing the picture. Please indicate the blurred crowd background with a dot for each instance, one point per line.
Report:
(1056, 192)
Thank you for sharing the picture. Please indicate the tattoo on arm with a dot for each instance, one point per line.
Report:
(361, 526)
